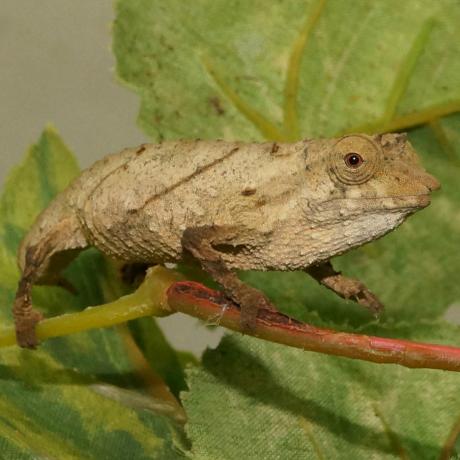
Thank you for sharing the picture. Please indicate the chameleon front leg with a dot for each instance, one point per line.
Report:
(200, 243)
(347, 288)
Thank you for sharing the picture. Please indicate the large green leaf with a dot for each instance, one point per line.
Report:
(254, 399)
(78, 397)
(286, 70)
(210, 69)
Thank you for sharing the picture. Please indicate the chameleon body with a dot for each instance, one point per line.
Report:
(230, 205)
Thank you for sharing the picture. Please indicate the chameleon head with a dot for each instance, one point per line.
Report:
(372, 183)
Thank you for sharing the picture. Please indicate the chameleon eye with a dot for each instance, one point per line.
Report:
(353, 160)
(349, 167)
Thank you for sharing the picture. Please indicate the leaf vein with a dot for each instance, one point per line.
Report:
(406, 70)
(269, 130)
(291, 89)
(341, 61)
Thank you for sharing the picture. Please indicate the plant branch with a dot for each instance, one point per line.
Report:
(162, 294)
(199, 301)
(148, 300)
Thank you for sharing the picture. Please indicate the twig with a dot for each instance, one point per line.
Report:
(162, 294)
(148, 300)
(199, 301)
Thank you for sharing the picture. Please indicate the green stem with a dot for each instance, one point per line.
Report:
(148, 300)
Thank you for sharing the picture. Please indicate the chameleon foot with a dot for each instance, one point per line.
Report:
(347, 288)
(251, 301)
(25, 329)
(366, 298)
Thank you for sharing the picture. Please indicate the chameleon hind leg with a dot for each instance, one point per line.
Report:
(25, 316)
(42, 264)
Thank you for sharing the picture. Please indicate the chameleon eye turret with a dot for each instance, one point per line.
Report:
(355, 159)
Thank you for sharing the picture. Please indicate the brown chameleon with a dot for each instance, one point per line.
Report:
(231, 206)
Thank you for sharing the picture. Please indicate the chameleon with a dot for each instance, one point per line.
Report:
(229, 206)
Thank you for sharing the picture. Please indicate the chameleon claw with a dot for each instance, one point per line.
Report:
(368, 300)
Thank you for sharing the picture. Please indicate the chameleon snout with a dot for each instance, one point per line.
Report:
(420, 181)
(431, 183)
(426, 184)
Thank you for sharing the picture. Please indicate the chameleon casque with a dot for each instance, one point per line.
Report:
(231, 206)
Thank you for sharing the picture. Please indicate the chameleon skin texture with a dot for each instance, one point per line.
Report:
(288, 205)
(231, 205)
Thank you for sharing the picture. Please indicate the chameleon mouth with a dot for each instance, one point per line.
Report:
(405, 202)
(355, 206)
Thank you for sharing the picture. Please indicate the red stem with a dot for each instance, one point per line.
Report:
(212, 306)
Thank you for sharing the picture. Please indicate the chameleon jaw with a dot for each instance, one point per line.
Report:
(348, 207)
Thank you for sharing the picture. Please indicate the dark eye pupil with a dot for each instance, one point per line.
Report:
(353, 159)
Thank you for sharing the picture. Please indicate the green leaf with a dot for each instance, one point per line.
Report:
(248, 70)
(255, 399)
(83, 396)
(293, 69)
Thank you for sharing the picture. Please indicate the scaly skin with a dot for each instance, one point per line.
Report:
(231, 205)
